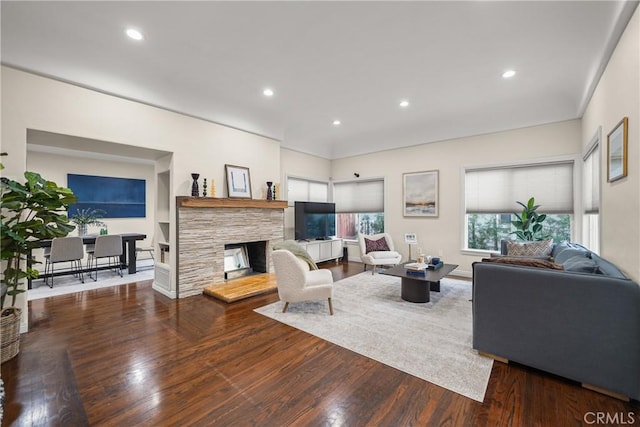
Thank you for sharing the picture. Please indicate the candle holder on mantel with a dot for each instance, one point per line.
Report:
(204, 188)
(269, 191)
(195, 192)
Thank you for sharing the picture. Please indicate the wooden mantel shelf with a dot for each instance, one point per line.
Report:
(214, 202)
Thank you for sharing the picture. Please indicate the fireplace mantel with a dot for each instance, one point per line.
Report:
(215, 202)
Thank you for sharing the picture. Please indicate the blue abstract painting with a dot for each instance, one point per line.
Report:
(117, 197)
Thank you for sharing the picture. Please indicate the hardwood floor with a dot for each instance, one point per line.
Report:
(128, 356)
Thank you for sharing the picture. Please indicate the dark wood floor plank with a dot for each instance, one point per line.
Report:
(130, 356)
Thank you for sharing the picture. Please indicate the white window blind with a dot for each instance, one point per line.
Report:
(496, 190)
(591, 179)
(359, 196)
(304, 190)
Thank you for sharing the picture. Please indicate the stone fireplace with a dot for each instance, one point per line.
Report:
(205, 225)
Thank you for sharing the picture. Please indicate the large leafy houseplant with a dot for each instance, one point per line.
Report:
(31, 211)
(528, 223)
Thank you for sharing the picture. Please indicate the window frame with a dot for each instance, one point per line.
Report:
(384, 197)
(576, 220)
(595, 144)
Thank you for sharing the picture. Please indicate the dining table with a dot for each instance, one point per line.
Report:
(127, 259)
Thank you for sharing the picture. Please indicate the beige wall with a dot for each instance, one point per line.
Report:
(618, 95)
(443, 236)
(303, 165)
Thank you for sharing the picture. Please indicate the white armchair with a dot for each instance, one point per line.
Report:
(374, 251)
(296, 283)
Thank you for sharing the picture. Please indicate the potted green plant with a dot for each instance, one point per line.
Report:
(31, 211)
(528, 223)
(83, 218)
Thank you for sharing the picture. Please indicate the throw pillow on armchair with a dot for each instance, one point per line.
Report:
(376, 245)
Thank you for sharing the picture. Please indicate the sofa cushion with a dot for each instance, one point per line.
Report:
(540, 248)
(376, 245)
(568, 253)
(607, 268)
(580, 263)
(575, 248)
(527, 262)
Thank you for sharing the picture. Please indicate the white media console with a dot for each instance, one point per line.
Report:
(323, 250)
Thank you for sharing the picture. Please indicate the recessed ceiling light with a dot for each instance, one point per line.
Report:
(134, 34)
(268, 92)
(337, 122)
(509, 73)
(404, 103)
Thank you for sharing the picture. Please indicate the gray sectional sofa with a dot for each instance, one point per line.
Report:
(581, 323)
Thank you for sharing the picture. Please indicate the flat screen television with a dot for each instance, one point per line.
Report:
(315, 220)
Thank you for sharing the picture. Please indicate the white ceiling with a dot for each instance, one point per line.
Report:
(353, 61)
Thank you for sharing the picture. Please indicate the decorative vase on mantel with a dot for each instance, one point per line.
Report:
(269, 191)
(195, 191)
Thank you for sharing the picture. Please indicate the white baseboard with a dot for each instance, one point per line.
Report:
(163, 291)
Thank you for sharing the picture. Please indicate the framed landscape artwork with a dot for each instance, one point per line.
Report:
(238, 181)
(617, 151)
(420, 194)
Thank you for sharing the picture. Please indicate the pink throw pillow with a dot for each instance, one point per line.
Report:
(376, 245)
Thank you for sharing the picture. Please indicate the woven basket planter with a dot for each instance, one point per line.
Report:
(10, 333)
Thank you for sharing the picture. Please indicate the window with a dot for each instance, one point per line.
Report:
(359, 207)
(591, 195)
(302, 190)
(305, 190)
(491, 195)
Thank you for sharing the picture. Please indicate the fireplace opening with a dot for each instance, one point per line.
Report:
(243, 259)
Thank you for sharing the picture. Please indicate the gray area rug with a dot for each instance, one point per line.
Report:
(431, 341)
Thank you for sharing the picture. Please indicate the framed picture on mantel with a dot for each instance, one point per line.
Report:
(238, 182)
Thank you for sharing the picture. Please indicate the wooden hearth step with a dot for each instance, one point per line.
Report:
(245, 287)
